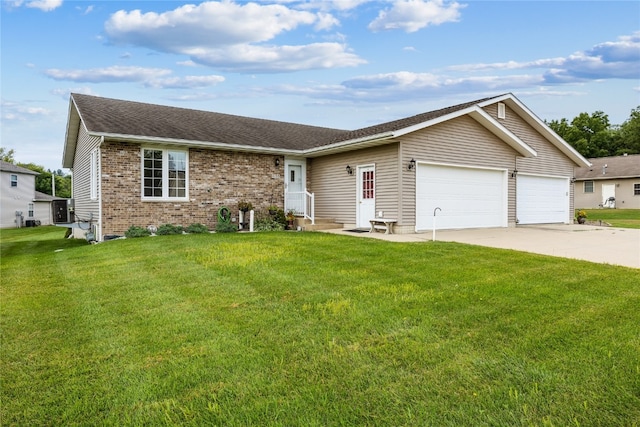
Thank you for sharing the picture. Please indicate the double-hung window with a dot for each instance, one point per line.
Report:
(588, 186)
(14, 180)
(636, 189)
(164, 173)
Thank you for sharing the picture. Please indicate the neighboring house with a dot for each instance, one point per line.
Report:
(610, 182)
(486, 163)
(20, 204)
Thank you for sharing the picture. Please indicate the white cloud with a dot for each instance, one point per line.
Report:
(389, 87)
(231, 36)
(13, 111)
(413, 15)
(44, 5)
(188, 82)
(265, 59)
(150, 77)
(609, 60)
(109, 74)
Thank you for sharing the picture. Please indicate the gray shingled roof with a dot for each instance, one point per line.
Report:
(10, 167)
(617, 167)
(118, 117)
(111, 116)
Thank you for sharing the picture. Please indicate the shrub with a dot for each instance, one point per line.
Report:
(168, 229)
(197, 228)
(226, 227)
(267, 224)
(135, 231)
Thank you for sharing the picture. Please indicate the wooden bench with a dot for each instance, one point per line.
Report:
(382, 224)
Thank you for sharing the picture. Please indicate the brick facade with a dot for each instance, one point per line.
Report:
(216, 179)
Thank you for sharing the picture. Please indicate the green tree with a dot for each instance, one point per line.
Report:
(43, 181)
(590, 134)
(629, 134)
(7, 155)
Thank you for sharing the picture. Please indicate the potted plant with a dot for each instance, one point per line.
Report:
(290, 217)
(582, 217)
(245, 206)
(273, 209)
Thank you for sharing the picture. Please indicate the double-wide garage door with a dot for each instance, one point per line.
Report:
(467, 197)
(542, 199)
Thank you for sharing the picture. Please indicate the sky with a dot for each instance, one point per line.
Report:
(342, 64)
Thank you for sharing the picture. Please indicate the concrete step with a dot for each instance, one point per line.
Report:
(320, 224)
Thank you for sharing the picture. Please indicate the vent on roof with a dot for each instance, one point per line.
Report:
(502, 110)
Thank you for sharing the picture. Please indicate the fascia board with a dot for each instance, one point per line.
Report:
(539, 125)
(196, 144)
(349, 144)
(71, 135)
(493, 126)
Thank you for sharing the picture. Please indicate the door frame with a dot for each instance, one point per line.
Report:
(303, 171)
(359, 170)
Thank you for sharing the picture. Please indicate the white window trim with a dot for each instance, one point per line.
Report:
(165, 176)
(584, 187)
(14, 180)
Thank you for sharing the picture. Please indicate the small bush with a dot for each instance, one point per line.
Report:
(197, 229)
(226, 227)
(267, 224)
(135, 231)
(168, 229)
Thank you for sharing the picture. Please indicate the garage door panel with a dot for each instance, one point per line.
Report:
(542, 200)
(467, 197)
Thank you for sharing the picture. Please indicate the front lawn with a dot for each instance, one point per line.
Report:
(311, 329)
(624, 218)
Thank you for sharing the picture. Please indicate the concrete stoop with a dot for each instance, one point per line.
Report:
(320, 224)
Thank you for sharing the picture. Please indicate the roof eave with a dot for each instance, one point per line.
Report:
(196, 144)
(71, 135)
(602, 178)
(349, 144)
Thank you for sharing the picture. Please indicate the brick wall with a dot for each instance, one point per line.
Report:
(216, 179)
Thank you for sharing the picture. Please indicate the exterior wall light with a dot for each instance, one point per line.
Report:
(412, 164)
(514, 173)
(277, 161)
(349, 170)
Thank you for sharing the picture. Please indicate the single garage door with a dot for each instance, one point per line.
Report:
(467, 197)
(542, 199)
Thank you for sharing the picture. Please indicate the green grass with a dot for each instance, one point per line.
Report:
(624, 218)
(310, 329)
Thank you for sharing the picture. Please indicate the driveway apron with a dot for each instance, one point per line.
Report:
(606, 245)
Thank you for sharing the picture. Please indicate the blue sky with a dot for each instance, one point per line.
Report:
(335, 63)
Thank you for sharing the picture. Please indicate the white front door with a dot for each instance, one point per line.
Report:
(366, 210)
(295, 188)
(609, 195)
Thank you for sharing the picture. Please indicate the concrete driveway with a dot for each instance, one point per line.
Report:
(606, 245)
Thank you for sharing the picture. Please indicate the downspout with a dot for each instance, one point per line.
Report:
(515, 188)
(99, 182)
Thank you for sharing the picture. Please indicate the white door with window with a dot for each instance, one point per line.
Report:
(609, 195)
(366, 209)
(294, 195)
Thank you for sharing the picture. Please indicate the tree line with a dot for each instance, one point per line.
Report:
(593, 136)
(43, 181)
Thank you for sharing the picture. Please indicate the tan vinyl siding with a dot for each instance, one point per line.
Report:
(550, 161)
(85, 208)
(335, 190)
(462, 141)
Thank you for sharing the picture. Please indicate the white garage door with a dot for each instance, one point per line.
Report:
(542, 199)
(467, 197)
